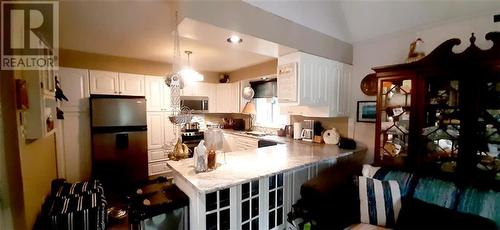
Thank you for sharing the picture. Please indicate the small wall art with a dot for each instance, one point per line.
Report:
(367, 111)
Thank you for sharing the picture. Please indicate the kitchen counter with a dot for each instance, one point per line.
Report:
(274, 174)
(248, 165)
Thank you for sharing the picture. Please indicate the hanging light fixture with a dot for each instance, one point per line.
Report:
(187, 73)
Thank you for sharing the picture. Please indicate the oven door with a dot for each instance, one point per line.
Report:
(197, 104)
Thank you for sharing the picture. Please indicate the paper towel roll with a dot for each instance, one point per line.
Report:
(297, 130)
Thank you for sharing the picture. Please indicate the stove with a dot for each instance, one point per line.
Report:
(192, 139)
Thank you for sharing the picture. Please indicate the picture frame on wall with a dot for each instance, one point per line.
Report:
(366, 111)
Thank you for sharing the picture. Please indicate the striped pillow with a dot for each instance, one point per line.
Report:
(379, 201)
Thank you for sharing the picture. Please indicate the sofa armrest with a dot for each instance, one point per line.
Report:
(332, 197)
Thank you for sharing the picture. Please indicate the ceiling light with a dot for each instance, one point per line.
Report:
(263, 78)
(189, 74)
(234, 39)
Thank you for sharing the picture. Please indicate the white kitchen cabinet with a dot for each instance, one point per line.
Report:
(104, 82)
(228, 98)
(73, 133)
(131, 84)
(73, 140)
(318, 89)
(234, 143)
(160, 133)
(157, 94)
(168, 130)
(157, 155)
(158, 168)
(75, 85)
(113, 83)
(155, 130)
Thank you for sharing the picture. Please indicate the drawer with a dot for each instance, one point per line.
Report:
(158, 168)
(157, 155)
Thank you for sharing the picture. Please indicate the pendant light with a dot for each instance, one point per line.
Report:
(187, 73)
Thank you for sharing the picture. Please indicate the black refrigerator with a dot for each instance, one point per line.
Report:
(119, 141)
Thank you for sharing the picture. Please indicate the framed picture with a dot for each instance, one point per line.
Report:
(367, 111)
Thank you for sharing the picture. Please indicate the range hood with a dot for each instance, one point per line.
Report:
(265, 88)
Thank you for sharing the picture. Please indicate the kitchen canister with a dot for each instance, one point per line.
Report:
(331, 136)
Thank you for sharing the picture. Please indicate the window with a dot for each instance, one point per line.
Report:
(268, 113)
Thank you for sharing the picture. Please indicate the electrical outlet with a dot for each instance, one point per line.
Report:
(496, 18)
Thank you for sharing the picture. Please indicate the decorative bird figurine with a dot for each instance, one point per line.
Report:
(59, 93)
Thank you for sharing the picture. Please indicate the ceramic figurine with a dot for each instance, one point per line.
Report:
(331, 136)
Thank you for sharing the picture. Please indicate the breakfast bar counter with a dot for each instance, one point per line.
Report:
(264, 181)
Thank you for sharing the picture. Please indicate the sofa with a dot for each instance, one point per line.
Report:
(331, 200)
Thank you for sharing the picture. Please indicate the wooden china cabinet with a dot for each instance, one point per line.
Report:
(441, 114)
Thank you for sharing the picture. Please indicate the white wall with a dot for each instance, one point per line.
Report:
(393, 49)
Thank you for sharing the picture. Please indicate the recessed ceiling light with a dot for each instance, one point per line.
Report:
(263, 78)
(234, 39)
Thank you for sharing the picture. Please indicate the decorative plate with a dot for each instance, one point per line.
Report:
(369, 85)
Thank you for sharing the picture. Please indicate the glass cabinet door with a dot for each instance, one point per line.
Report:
(488, 159)
(394, 112)
(441, 128)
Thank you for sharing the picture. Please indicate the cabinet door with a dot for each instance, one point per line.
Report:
(325, 72)
(235, 97)
(315, 73)
(75, 85)
(222, 98)
(166, 99)
(103, 82)
(190, 89)
(335, 85)
(76, 146)
(158, 168)
(212, 97)
(157, 155)
(155, 130)
(306, 77)
(168, 129)
(131, 84)
(343, 93)
(155, 88)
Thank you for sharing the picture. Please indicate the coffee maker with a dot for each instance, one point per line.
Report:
(307, 133)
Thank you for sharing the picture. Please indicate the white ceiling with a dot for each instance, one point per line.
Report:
(355, 20)
(142, 30)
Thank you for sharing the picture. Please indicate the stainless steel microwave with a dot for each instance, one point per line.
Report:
(198, 104)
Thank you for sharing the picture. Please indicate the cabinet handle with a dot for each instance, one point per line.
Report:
(120, 92)
(116, 92)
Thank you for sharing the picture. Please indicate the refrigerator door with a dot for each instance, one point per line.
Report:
(113, 112)
(120, 158)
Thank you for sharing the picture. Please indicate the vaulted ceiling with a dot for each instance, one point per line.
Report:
(353, 21)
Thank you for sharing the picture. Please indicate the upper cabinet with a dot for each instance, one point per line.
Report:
(104, 82)
(157, 94)
(228, 98)
(313, 86)
(112, 83)
(131, 84)
(75, 84)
